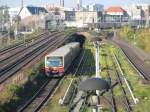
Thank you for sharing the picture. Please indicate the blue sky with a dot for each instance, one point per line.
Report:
(71, 3)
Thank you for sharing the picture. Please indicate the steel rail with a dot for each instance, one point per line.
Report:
(25, 60)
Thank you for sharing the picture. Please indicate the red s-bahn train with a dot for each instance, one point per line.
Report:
(57, 62)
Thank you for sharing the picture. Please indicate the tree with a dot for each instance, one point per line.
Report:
(144, 38)
(127, 33)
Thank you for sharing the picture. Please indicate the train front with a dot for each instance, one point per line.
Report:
(54, 66)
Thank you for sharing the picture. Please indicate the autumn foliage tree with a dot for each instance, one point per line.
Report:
(144, 39)
(139, 36)
(126, 33)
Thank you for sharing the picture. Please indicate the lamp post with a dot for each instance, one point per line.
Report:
(96, 41)
(91, 85)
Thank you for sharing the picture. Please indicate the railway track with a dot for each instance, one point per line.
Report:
(126, 101)
(17, 65)
(141, 67)
(78, 105)
(80, 64)
(76, 63)
(80, 71)
(36, 102)
(39, 100)
(114, 107)
(12, 52)
(9, 61)
(22, 44)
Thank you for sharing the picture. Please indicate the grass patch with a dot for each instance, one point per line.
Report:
(17, 94)
(138, 37)
(14, 42)
(53, 105)
(68, 32)
(105, 55)
(140, 90)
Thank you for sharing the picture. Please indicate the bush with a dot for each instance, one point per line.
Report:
(144, 39)
(140, 36)
(127, 33)
(17, 94)
(32, 74)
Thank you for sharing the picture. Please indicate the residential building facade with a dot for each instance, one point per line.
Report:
(115, 14)
(140, 13)
(83, 18)
(95, 7)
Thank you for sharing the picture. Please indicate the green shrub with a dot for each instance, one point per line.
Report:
(17, 94)
(127, 33)
(138, 37)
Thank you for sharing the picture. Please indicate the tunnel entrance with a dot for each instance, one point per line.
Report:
(77, 38)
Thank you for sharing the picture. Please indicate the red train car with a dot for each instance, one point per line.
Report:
(57, 62)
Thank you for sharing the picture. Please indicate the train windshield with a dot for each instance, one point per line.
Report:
(54, 61)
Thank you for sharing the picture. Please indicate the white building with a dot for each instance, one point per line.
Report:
(140, 14)
(79, 4)
(37, 17)
(135, 12)
(25, 11)
(84, 17)
(139, 11)
(13, 12)
(81, 18)
(95, 7)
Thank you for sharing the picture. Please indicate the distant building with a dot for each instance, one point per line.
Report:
(115, 14)
(98, 7)
(43, 21)
(38, 17)
(135, 12)
(69, 15)
(83, 18)
(139, 13)
(70, 19)
(24, 12)
(95, 7)
(56, 9)
(14, 12)
(4, 18)
(79, 5)
(62, 3)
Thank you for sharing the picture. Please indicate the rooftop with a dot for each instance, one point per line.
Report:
(36, 10)
(64, 49)
(115, 9)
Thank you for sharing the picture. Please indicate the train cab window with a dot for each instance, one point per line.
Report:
(54, 61)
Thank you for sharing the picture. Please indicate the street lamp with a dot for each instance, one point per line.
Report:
(93, 84)
(90, 85)
(96, 41)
